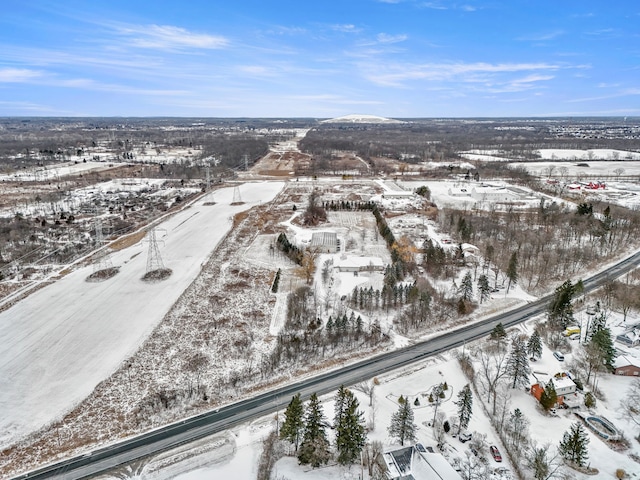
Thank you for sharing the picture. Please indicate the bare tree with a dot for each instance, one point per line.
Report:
(493, 362)
(368, 388)
(630, 403)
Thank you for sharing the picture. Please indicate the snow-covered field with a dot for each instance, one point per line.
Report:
(61, 341)
(571, 170)
(56, 171)
(556, 154)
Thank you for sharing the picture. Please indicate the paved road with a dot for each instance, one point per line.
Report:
(221, 419)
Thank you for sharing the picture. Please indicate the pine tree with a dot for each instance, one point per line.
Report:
(315, 446)
(402, 426)
(518, 363)
(293, 424)
(498, 332)
(339, 404)
(534, 345)
(512, 271)
(517, 428)
(561, 308)
(350, 431)
(465, 406)
(549, 396)
(483, 287)
(603, 344)
(573, 446)
(466, 287)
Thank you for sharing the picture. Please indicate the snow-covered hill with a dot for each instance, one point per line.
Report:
(356, 118)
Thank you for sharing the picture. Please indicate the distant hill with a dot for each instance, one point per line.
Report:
(356, 118)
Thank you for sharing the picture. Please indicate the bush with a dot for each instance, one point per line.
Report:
(589, 400)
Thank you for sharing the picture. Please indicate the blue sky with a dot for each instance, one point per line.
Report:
(280, 58)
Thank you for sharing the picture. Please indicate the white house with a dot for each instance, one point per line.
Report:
(418, 463)
(561, 382)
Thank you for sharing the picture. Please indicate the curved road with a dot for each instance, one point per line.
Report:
(185, 431)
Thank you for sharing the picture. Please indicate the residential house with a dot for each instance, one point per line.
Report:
(627, 365)
(418, 463)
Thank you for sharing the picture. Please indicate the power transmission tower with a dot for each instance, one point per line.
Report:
(208, 169)
(154, 260)
(246, 162)
(103, 260)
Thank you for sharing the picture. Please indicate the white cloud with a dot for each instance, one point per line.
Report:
(18, 75)
(434, 6)
(346, 28)
(169, 37)
(386, 38)
(90, 84)
(542, 37)
(395, 75)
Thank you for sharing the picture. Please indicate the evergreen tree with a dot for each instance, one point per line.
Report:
(402, 426)
(293, 424)
(549, 396)
(466, 287)
(465, 406)
(517, 428)
(483, 287)
(314, 450)
(498, 332)
(598, 323)
(518, 363)
(512, 271)
(573, 446)
(603, 344)
(541, 463)
(589, 400)
(534, 345)
(339, 404)
(350, 431)
(561, 308)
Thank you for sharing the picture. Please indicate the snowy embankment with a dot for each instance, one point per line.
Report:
(60, 342)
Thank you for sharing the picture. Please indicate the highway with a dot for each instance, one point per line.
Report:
(194, 428)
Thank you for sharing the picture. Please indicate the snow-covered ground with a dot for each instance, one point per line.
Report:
(571, 170)
(460, 194)
(55, 171)
(413, 382)
(61, 341)
(416, 382)
(556, 154)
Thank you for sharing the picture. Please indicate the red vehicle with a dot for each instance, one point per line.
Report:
(496, 453)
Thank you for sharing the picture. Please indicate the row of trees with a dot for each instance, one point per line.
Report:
(305, 428)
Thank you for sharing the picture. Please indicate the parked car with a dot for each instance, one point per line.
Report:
(464, 436)
(495, 453)
(559, 356)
